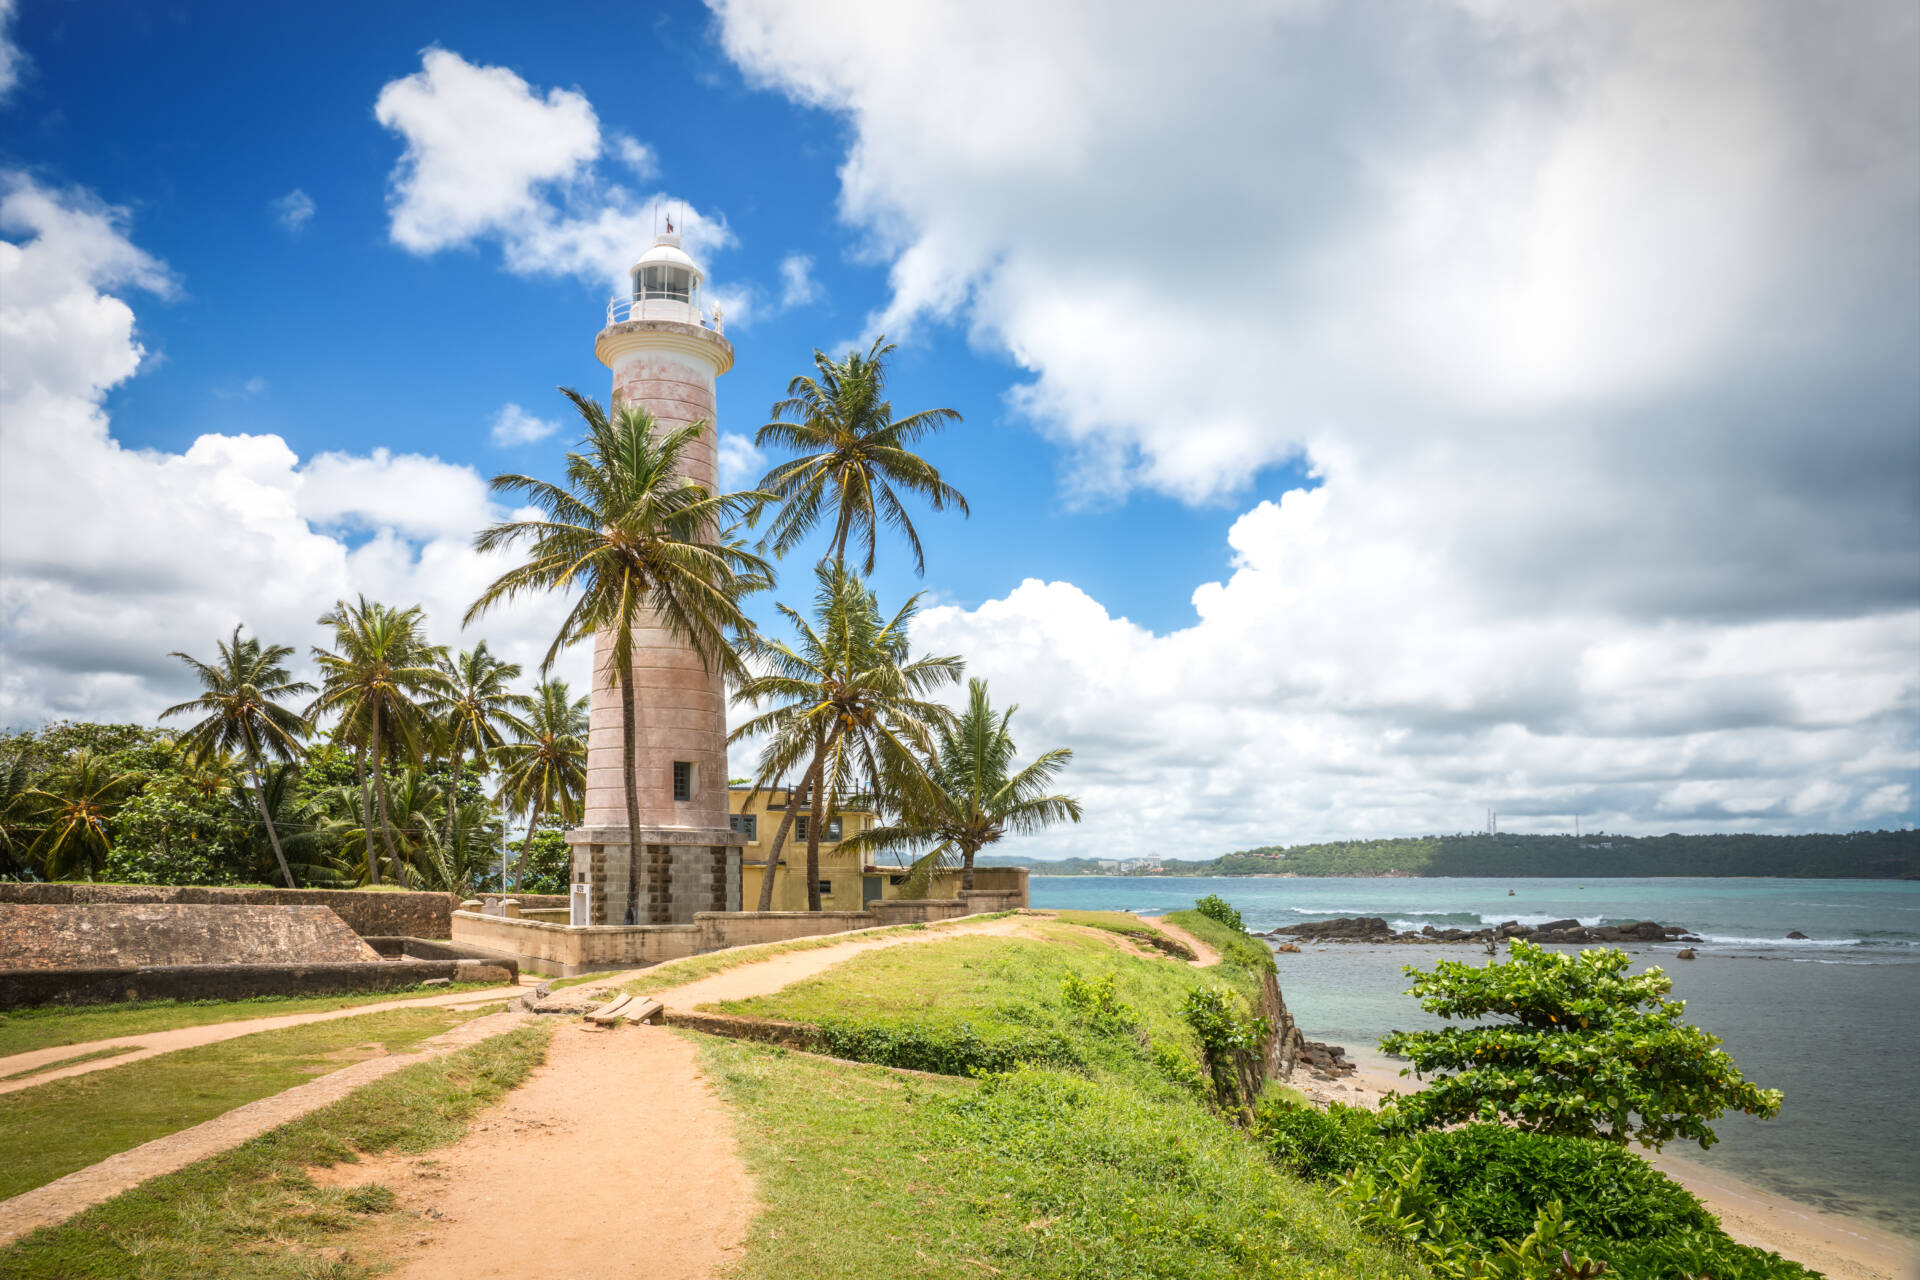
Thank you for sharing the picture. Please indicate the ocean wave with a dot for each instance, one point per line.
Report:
(1738, 940)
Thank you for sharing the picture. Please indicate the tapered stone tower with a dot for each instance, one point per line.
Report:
(665, 353)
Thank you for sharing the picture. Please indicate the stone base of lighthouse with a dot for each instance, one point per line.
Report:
(683, 870)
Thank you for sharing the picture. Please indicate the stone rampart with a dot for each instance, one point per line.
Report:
(24, 987)
(126, 935)
(398, 913)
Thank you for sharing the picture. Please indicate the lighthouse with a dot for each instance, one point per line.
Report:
(665, 351)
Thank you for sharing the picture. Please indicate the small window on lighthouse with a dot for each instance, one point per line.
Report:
(682, 780)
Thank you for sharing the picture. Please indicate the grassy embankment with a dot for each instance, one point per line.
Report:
(52, 1129)
(255, 1213)
(47, 1026)
(1091, 1151)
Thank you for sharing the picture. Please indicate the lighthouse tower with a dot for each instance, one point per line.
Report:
(665, 352)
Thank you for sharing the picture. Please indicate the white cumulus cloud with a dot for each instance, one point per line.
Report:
(797, 285)
(110, 557)
(293, 210)
(1593, 322)
(515, 426)
(741, 464)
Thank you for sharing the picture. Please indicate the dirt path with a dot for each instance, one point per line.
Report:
(626, 1140)
(155, 1042)
(1205, 956)
(764, 977)
(62, 1198)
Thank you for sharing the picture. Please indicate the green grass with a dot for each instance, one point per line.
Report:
(1038, 1174)
(255, 1213)
(111, 1051)
(52, 1129)
(1128, 925)
(52, 1025)
(678, 973)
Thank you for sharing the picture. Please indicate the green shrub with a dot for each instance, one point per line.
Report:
(1181, 1069)
(956, 1050)
(1099, 1005)
(1317, 1144)
(1495, 1180)
(1215, 907)
(1232, 1041)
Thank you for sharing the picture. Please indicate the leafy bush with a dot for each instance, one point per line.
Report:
(1584, 1050)
(1317, 1144)
(1215, 907)
(957, 1050)
(1099, 1005)
(1496, 1180)
(1179, 1068)
(1232, 1041)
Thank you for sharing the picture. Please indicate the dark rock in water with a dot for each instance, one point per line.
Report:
(1798, 936)
(1326, 1059)
(1646, 931)
(1429, 930)
(1685, 953)
(1358, 927)
(1558, 926)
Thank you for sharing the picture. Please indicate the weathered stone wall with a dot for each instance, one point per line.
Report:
(20, 988)
(124, 935)
(889, 911)
(1002, 880)
(418, 915)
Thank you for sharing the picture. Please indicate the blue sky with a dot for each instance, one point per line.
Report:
(1374, 413)
(361, 345)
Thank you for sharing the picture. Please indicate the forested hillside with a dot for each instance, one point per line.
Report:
(1875, 855)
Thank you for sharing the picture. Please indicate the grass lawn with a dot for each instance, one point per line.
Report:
(254, 1213)
(52, 1129)
(1127, 925)
(50, 1025)
(110, 1051)
(677, 973)
(1040, 1173)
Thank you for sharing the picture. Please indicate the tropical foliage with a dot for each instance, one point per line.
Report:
(968, 794)
(629, 533)
(854, 458)
(849, 700)
(1578, 1047)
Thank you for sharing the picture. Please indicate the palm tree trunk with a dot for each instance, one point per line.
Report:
(526, 851)
(966, 868)
(273, 836)
(814, 814)
(366, 815)
(380, 794)
(629, 749)
(840, 536)
(794, 798)
(453, 791)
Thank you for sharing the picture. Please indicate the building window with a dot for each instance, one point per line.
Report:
(745, 824)
(826, 888)
(831, 831)
(682, 780)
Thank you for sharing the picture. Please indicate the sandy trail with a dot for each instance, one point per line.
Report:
(156, 1042)
(1205, 955)
(82, 1189)
(623, 1129)
(764, 977)
(1842, 1247)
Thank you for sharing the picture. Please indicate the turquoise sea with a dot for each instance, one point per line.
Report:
(1833, 1020)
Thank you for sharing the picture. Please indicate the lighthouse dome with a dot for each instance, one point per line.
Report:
(666, 252)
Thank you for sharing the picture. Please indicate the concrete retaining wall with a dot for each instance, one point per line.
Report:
(567, 950)
(23, 987)
(131, 935)
(400, 913)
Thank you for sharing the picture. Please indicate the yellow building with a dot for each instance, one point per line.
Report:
(846, 884)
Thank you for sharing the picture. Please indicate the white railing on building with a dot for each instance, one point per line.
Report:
(625, 308)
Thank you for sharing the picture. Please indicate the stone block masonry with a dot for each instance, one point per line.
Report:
(132, 935)
(400, 913)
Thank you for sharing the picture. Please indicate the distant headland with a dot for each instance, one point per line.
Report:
(1853, 855)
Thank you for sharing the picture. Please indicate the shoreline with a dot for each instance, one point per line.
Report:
(1840, 1245)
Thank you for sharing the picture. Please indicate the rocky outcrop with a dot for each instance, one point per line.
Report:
(1375, 929)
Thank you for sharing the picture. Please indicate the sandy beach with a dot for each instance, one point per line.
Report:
(1840, 1246)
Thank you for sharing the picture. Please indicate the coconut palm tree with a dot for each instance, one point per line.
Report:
(854, 455)
(377, 678)
(976, 797)
(629, 532)
(476, 709)
(850, 701)
(243, 715)
(75, 806)
(546, 770)
(16, 806)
